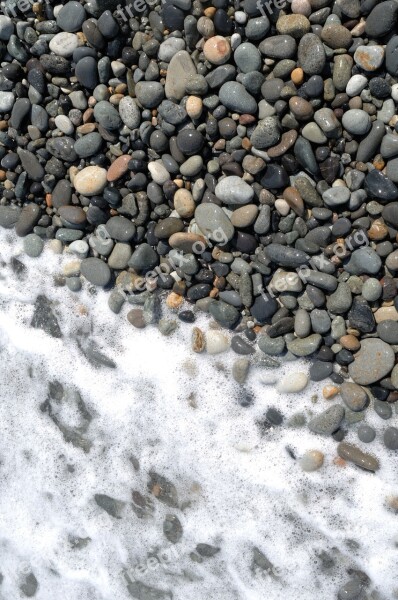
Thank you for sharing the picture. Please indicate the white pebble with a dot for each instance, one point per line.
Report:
(282, 207)
(240, 17)
(292, 383)
(64, 124)
(394, 92)
(216, 342)
(64, 44)
(158, 172)
(356, 84)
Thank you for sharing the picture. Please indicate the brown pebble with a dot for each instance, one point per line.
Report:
(350, 342)
(118, 168)
(287, 140)
(301, 108)
(198, 340)
(173, 300)
(136, 318)
(297, 76)
(294, 200)
(217, 50)
(378, 230)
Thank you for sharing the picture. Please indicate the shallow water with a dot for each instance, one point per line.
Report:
(167, 410)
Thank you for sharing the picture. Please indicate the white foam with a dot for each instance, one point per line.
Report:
(238, 487)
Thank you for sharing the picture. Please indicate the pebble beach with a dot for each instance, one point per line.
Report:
(199, 299)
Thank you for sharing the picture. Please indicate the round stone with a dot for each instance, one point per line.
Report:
(312, 460)
(292, 383)
(217, 50)
(234, 190)
(247, 58)
(96, 271)
(366, 434)
(33, 245)
(353, 396)
(71, 17)
(64, 43)
(390, 438)
(90, 181)
(356, 121)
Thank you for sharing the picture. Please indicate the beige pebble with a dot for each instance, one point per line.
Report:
(217, 50)
(90, 181)
(71, 268)
(198, 340)
(184, 204)
(386, 313)
(194, 107)
(55, 246)
(244, 216)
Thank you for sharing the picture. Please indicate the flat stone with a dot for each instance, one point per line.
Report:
(234, 190)
(369, 58)
(180, 70)
(311, 54)
(305, 346)
(235, 97)
(328, 421)
(213, 222)
(374, 361)
(292, 383)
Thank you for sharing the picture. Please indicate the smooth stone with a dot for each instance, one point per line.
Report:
(320, 370)
(88, 145)
(336, 36)
(372, 290)
(370, 144)
(392, 56)
(9, 215)
(292, 383)
(278, 46)
(71, 17)
(285, 256)
(96, 271)
(149, 93)
(374, 361)
(33, 245)
(90, 181)
(339, 301)
(120, 256)
(180, 70)
(305, 346)
(356, 121)
(216, 342)
(353, 396)
(356, 84)
(271, 346)
(28, 218)
(354, 454)
(382, 409)
(311, 54)
(312, 460)
(234, 190)
(392, 170)
(389, 145)
(235, 97)
(107, 115)
(379, 186)
(244, 216)
(328, 421)
(64, 43)
(336, 196)
(6, 28)
(62, 148)
(382, 19)
(247, 58)
(31, 165)
(388, 331)
(120, 229)
(366, 434)
(212, 220)
(369, 58)
(313, 133)
(390, 438)
(86, 72)
(240, 370)
(225, 314)
(240, 346)
(363, 261)
(7, 100)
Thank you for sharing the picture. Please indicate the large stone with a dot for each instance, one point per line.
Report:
(374, 361)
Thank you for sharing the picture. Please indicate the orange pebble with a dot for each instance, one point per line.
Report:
(330, 391)
(174, 300)
(297, 76)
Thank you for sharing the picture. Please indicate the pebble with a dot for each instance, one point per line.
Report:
(96, 271)
(374, 361)
(366, 434)
(217, 50)
(235, 97)
(354, 397)
(356, 121)
(212, 220)
(328, 421)
(390, 438)
(292, 383)
(33, 245)
(312, 460)
(353, 454)
(234, 190)
(369, 58)
(90, 181)
(311, 54)
(240, 370)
